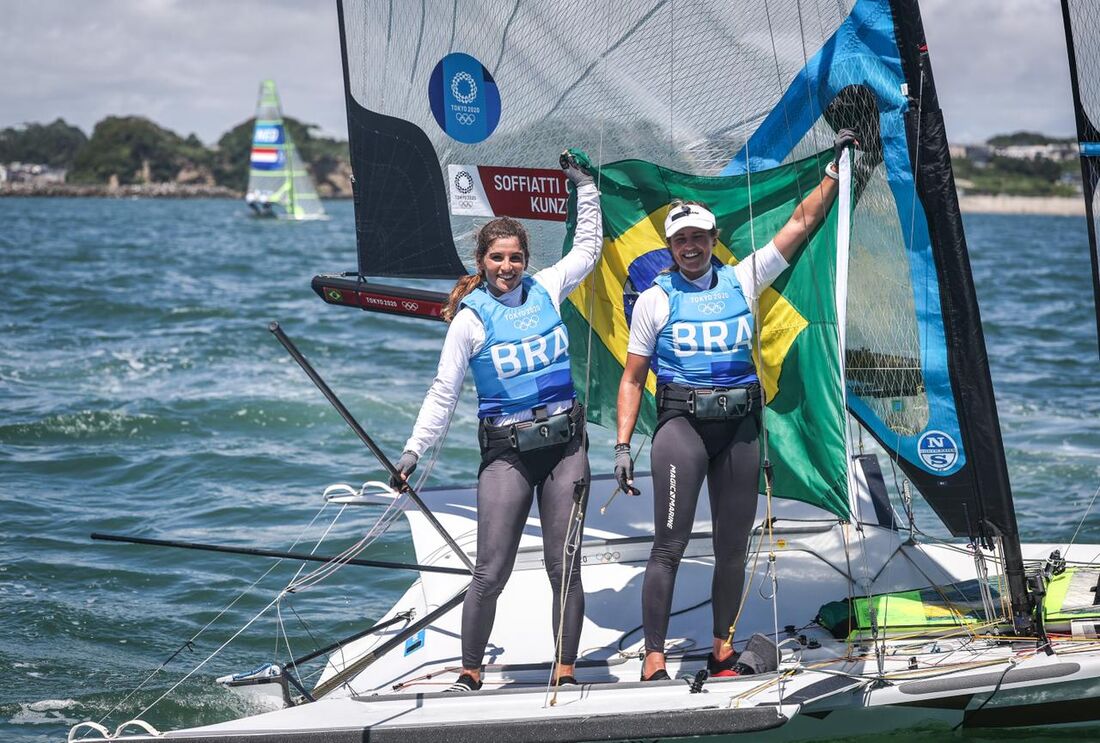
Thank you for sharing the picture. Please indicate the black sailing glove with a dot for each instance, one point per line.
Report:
(844, 138)
(624, 470)
(577, 174)
(405, 466)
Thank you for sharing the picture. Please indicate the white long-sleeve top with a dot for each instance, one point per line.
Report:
(755, 274)
(466, 334)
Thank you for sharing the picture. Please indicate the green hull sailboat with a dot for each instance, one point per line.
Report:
(278, 183)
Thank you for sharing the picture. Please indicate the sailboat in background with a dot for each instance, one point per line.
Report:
(279, 185)
(874, 333)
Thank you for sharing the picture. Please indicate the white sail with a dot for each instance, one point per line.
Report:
(279, 185)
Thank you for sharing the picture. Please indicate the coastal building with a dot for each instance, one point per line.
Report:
(37, 174)
(1056, 151)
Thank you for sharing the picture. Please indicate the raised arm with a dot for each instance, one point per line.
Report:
(808, 215)
(564, 276)
(805, 219)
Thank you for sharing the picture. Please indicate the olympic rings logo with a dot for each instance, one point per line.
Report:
(464, 79)
(711, 308)
(410, 306)
(605, 557)
(526, 323)
(465, 119)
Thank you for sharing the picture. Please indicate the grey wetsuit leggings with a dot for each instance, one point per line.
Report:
(505, 490)
(684, 452)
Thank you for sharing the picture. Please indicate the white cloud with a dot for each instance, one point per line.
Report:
(191, 66)
(195, 65)
(1000, 66)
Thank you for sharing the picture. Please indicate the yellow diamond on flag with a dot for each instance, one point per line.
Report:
(781, 321)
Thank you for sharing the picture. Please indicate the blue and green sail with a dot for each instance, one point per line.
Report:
(279, 184)
(800, 359)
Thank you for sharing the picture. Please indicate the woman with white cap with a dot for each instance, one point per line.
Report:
(697, 319)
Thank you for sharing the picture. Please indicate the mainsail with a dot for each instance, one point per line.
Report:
(456, 110)
(279, 185)
(800, 315)
(1082, 22)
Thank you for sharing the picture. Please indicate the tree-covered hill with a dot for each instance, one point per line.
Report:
(53, 144)
(1023, 138)
(135, 150)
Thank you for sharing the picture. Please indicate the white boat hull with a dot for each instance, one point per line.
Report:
(389, 686)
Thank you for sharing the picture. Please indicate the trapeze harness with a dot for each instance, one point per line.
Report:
(523, 366)
(704, 353)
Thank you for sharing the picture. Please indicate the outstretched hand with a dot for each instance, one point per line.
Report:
(844, 138)
(405, 466)
(577, 174)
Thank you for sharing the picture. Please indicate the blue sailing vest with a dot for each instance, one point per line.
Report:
(707, 341)
(525, 360)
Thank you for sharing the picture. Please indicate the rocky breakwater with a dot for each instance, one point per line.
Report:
(113, 190)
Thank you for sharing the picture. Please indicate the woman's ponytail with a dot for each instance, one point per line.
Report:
(462, 287)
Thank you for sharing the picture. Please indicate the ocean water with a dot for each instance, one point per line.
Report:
(141, 393)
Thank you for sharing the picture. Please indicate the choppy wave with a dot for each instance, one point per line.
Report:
(148, 398)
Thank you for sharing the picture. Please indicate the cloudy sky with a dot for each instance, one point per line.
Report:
(194, 65)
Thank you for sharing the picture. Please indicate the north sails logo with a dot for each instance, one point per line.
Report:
(937, 450)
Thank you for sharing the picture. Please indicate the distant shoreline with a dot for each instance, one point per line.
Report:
(135, 191)
(145, 191)
(1067, 206)
(1060, 206)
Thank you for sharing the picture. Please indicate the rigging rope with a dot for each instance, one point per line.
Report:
(190, 643)
(571, 545)
(1081, 523)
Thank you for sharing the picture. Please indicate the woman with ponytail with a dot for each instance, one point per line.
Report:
(507, 327)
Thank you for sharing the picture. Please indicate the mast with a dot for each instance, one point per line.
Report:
(292, 202)
(1088, 135)
(989, 512)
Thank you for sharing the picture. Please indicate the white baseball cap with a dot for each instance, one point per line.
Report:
(687, 215)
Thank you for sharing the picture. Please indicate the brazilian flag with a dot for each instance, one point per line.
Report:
(800, 360)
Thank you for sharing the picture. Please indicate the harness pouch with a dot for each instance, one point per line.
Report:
(539, 434)
(712, 405)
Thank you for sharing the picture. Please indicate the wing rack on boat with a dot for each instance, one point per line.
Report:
(355, 291)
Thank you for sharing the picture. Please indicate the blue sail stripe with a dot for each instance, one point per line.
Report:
(863, 51)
